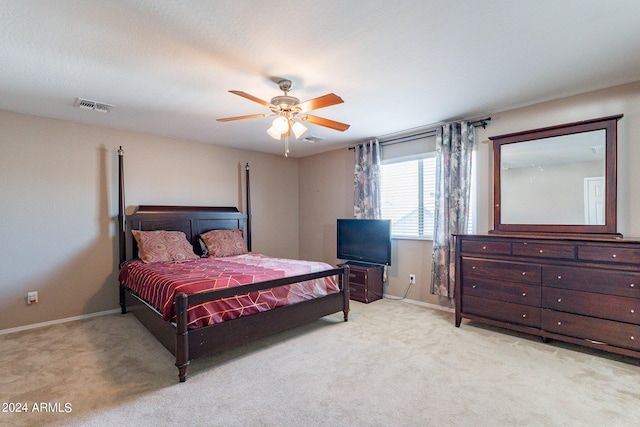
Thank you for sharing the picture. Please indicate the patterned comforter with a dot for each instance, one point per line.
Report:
(158, 283)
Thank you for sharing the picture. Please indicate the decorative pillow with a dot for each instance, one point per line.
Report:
(221, 243)
(161, 245)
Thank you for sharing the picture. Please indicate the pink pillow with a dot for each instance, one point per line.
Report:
(221, 243)
(161, 245)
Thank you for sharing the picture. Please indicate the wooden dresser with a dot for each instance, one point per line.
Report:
(582, 291)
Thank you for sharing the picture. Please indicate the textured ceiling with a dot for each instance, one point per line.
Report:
(167, 65)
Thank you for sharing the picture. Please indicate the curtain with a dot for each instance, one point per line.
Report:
(366, 200)
(454, 148)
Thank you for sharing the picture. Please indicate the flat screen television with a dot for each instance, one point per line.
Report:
(365, 240)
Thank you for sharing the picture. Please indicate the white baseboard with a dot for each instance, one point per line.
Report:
(55, 322)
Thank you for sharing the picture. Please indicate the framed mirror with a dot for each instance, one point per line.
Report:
(559, 179)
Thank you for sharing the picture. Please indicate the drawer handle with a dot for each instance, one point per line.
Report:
(632, 311)
(484, 247)
(614, 256)
(524, 294)
(473, 268)
(541, 251)
(559, 299)
(559, 277)
(632, 285)
(632, 338)
(524, 273)
(524, 315)
(474, 286)
(559, 323)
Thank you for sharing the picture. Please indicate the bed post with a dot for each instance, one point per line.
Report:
(121, 219)
(248, 208)
(182, 336)
(121, 223)
(345, 291)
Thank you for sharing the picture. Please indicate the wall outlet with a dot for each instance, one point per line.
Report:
(32, 297)
(412, 279)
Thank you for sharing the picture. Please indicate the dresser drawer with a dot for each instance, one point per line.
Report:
(501, 270)
(486, 247)
(591, 329)
(545, 250)
(519, 293)
(501, 310)
(602, 281)
(606, 253)
(597, 305)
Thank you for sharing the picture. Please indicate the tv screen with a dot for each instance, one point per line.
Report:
(365, 240)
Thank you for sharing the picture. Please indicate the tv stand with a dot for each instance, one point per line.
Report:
(365, 281)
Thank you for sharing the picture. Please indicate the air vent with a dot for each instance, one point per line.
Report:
(86, 104)
(312, 139)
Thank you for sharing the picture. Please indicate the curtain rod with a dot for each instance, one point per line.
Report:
(426, 133)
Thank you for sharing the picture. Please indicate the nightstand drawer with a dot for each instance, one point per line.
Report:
(357, 292)
(357, 276)
(363, 293)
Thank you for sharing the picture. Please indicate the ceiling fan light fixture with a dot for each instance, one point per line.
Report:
(298, 129)
(273, 133)
(289, 113)
(281, 125)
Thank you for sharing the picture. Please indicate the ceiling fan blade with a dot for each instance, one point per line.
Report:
(252, 98)
(324, 122)
(252, 116)
(320, 102)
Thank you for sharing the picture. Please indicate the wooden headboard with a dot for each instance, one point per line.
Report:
(192, 220)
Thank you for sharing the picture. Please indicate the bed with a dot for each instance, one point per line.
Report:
(208, 304)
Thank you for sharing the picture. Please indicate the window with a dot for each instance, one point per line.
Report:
(408, 196)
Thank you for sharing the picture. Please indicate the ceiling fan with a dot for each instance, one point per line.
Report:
(290, 112)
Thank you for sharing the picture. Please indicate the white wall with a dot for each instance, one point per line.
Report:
(325, 185)
(59, 205)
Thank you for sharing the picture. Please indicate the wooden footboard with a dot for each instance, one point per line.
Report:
(187, 345)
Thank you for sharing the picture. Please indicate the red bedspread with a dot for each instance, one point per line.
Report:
(158, 283)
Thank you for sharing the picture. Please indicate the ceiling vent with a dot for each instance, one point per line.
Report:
(312, 139)
(86, 104)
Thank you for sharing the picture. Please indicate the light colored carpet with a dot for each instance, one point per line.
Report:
(392, 364)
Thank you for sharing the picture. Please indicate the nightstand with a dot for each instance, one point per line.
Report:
(365, 282)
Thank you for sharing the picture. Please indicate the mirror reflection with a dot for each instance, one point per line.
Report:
(555, 180)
